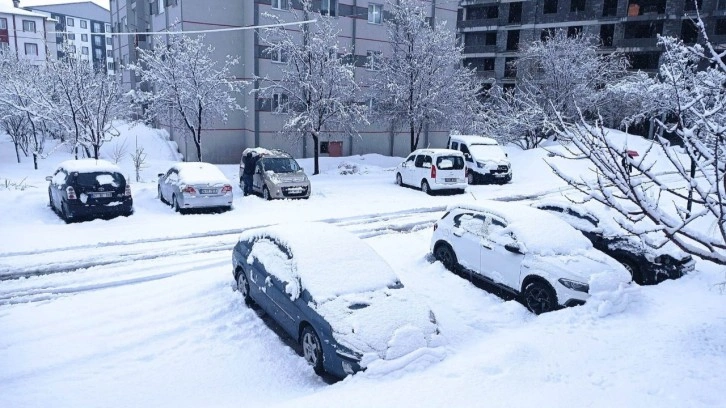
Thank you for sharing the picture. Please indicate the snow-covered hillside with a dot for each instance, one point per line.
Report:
(141, 311)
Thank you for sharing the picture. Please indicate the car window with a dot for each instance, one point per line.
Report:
(95, 179)
(472, 223)
(411, 158)
(552, 208)
(455, 145)
(427, 162)
(450, 162)
(498, 233)
(275, 261)
(419, 161)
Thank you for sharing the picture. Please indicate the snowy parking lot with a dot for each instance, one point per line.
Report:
(141, 310)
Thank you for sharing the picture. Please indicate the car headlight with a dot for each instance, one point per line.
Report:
(574, 285)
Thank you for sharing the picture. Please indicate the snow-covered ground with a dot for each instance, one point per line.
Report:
(140, 311)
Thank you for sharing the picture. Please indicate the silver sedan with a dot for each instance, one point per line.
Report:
(195, 185)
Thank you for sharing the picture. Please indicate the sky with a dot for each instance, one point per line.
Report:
(27, 3)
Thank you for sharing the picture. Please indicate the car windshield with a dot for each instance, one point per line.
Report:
(98, 179)
(487, 152)
(280, 165)
(450, 163)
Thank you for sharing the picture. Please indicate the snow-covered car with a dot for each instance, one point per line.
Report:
(195, 185)
(486, 161)
(334, 295)
(277, 175)
(433, 170)
(529, 252)
(646, 264)
(89, 188)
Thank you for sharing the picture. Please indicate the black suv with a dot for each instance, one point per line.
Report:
(647, 265)
(89, 188)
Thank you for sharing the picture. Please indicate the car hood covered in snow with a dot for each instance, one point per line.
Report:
(384, 324)
(585, 266)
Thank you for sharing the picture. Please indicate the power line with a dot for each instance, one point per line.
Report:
(216, 30)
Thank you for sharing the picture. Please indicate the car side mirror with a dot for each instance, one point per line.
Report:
(467, 156)
(514, 248)
(160, 174)
(48, 178)
(404, 164)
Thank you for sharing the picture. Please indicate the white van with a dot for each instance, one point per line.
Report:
(433, 170)
(486, 161)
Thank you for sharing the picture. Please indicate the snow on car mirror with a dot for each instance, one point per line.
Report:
(514, 248)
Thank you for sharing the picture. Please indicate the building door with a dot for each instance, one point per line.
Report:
(335, 149)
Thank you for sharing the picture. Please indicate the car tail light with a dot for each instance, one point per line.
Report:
(189, 189)
(127, 190)
(71, 193)
(433, 172)
(227, 188)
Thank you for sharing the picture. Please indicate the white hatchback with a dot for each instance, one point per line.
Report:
(526, 251)
(433, 170)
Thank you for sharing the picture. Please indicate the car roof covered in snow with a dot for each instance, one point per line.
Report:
(200, 173)
(329, 261)
(257, 151)
(474, 139)
(438, 151)
(540, 231)
(89, 166)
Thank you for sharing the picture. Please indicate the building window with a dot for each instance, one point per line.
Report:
(515, 12)
(480, 38)
(324, 147)
(277, 55)
(550, 6)
(374, 60)
(279, 102)
(70, 22)
(97, 41)
(3, 24)
(72, 49)
(31, 49)
(375, 13)
(84, 37)
(607, 31)
(691, 5)
(98, 54)
(482, 12)
(512, 40)
(109, 41)
(96, 27)
(610, 8)
(480, 64)
(510, 68)
(280, 4)
(546, 34)
(574, 31)
(84, 50)
(111, 66)
(84, 24)
(329, 7)
(29, 26)
(646, 29)
(721, 5)
(643, 60)
(577, 6)
(72, 37)
(720, 27)
(108, 28)
(689, 32)
(109, 54)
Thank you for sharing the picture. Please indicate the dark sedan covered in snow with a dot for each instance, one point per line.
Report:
(335, 296)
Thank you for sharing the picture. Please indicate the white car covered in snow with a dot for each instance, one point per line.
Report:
(334, 295)
(195, 185)
(433, 170)
(526, 251)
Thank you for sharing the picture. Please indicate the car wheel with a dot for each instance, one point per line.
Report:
(462, 191)
(266, 193)
(244, 287)
(175, 203)
(446, 255)
(312, 349)
(471, 178)
(399, 180)
(425, 187)
(161, 197)
(539, 297)
(634, 271)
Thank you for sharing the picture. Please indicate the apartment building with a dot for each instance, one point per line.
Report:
(85, 27)
(494, 30)
(362, 30)
(25, 32)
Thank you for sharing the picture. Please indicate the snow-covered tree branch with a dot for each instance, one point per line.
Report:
(190, 89)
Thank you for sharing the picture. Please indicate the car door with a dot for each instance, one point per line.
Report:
(466, 240)
(258, 180)
(501, 262)
(407, 168)
(417, 171)
(171, 183)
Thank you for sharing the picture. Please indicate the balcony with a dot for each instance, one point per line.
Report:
(478, 23)
(479, 49)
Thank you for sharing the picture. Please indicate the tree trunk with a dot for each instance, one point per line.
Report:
(17, 152)
(412, 128)
(316, 153)
(96, 148)
(35, 160)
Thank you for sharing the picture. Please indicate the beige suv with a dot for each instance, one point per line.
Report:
(277, 175)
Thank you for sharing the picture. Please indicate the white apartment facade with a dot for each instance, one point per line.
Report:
(25, 33)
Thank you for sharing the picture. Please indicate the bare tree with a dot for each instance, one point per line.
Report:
(17, 127)
(423, 82)
(191, 90)
(688, 204)
(316, 87)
